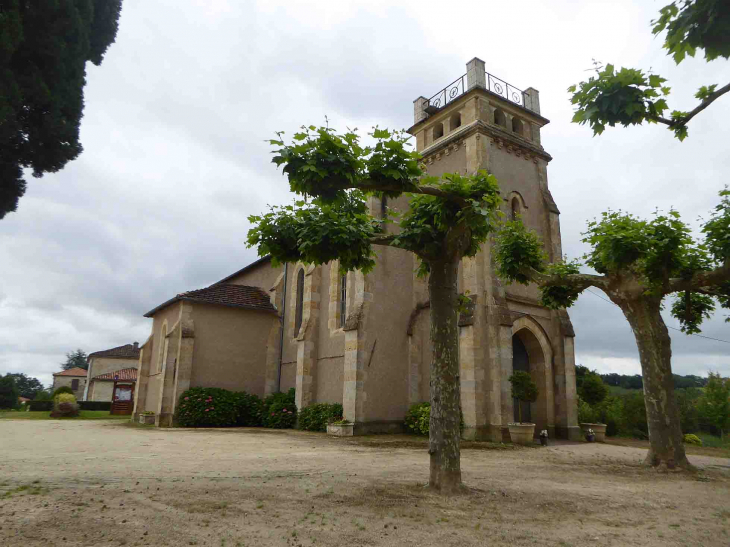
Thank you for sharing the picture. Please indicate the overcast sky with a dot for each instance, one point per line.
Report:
(174, 157)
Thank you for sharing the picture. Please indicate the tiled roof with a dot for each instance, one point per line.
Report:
(76, 371)
(124, 374)
(237, 296)
(128, 351)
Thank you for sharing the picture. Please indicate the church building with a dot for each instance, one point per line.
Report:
(363, 340)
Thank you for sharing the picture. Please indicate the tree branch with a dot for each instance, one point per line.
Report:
(712, 97)
(700, 281)
(384, 240)
(427, 190)
(580, 282)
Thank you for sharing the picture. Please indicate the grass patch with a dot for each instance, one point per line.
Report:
(711, 446)
(46, 415)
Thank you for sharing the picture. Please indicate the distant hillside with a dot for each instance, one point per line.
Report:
(635, 382)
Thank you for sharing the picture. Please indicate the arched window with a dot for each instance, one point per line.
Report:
(455, 121)
(500, 118)
(162, 354)
(438, 131)
(516, 209)
(299, 312)
(343, 300)
(518, 127)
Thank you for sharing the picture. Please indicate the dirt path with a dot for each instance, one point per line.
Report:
(104, 483)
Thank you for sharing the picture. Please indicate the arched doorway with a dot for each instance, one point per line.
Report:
(520, 361)
(532, 352)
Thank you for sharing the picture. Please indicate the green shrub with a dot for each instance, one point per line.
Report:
(279, 410)
(316, 417)
(41, 405)
(64, 406)
(592, 390)
(8, 392)
(207, 407)
(586, 413)
(65, 398)
(95, 405)
(42, 395)
(692, 439)
(249, 408)
(62, 389)
(610, 412)
(634, 416)
(523, 389)
(418, 418)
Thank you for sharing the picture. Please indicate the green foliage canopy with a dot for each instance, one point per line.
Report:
(592, 389)
(334, 175)
(27, 386)
(630, 96)
(44, 47)
(714, 404)
(75, 359)
(659, 255)
(8, 392)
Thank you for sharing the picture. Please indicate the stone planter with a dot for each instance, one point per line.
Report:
(598, 429)
(340, 430)
(522, 433)
(147, 419)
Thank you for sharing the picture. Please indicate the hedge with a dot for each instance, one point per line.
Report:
(40, 405)
(94, 405)
(316, 417)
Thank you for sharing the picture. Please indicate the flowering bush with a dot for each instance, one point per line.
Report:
(316, 417)
(207, 407)
(279, 410)
(250, 409)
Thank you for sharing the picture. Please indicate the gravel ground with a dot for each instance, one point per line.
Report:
(110, 483)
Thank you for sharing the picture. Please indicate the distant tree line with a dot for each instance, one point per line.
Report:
(634, 381)
(703, 403)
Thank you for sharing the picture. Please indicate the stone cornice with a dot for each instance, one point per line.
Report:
(501, 138)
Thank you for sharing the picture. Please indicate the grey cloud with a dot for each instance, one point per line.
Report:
(175, 158)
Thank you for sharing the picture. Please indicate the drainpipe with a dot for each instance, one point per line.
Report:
(282, 318)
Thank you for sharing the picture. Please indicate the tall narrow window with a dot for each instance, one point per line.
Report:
(517, 126)
(383, 207)
(343, 300)
(515, 208)
(74, 385)
(300, 303)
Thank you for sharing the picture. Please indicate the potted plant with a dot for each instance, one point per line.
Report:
(544, 437)
(524, 390)
(147, 417)
(590, 435)
(340, 428)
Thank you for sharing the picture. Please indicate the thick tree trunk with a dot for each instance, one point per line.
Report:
(662, 413)
(444, 433)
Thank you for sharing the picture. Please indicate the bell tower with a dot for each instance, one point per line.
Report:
(480, 121)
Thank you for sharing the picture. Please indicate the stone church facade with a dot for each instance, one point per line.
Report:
(363, 341)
